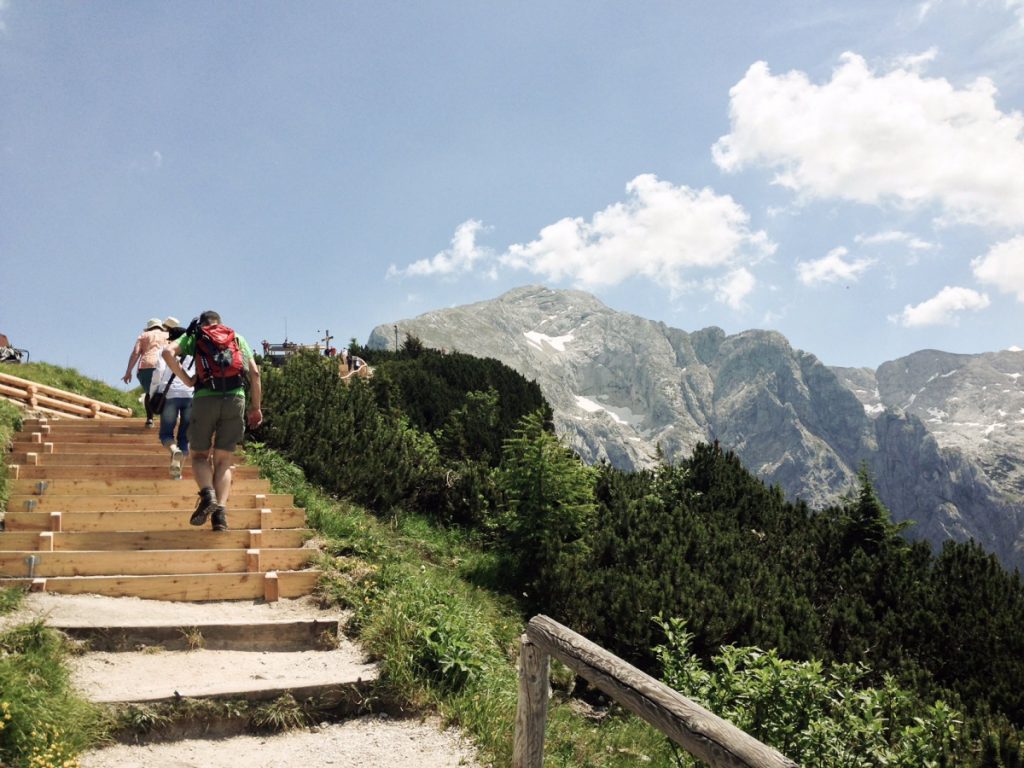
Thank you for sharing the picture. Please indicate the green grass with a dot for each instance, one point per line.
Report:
(445, 642)
(43, 722)
(10, 422)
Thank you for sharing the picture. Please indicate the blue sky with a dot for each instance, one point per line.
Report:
(849, 174)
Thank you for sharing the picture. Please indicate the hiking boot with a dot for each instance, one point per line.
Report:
(219, 520)
(149, 423)
(177, 457)
(207, 504)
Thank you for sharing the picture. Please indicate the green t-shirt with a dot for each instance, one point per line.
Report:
(187, 346)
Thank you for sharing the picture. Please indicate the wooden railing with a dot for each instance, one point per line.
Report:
(703, 734)
(57, 400)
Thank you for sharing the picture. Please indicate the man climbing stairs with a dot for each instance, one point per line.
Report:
(91, 510)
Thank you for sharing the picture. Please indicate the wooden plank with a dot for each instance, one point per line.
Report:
(196, 538)
(153, 520)
(54, 392)
(137, 502)
(112, 473)
(297, 583)
(185, 588)
(144, 448)
(532, 709)
(285, 559)
(108, 486)
(159, 459)
(271, 587)
(703, 734)
(128, 563)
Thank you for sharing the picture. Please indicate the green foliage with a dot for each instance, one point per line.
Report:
(818, 716)
(42, 720)
(341, 438)
(11, 598)
(10, 422)
(282, 714)
(550, 498)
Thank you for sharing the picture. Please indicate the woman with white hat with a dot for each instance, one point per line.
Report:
(145, 353)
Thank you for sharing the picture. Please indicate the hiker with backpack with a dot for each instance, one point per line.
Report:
(171, 400)
(224, 365)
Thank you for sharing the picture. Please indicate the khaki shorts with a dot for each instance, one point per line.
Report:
(217, 420)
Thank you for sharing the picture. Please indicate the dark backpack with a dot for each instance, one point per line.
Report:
(220, 365)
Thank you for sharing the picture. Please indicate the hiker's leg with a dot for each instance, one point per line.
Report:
(145, 376)
(222, 463)
(168, 416)
(185, 414)
(205, 411)
(202, 469)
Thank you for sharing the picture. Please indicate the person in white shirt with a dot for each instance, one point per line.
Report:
(177, 407)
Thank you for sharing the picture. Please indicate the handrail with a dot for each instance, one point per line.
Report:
(703, 734)
(67, 403)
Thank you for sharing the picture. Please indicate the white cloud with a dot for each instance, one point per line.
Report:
(1003, 267)
(158, 158)
(917, 62)
(3, 9)
(912, 242)
(832, 268)
(734, 287)
(460, 258)
(660, 232)
(942, 308)
(895, 137)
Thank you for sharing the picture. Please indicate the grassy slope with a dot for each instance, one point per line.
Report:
(73, 381)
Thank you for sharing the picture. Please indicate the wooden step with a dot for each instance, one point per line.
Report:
(115, 486)
(196, 587)
(196, 538)
(92, 510)
(150, 562)
(153, 520)
(21, 447)
(138, 502)
(157, 457)
(78, 472)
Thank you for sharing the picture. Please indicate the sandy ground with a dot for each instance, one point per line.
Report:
(365, 742)
(372, 741)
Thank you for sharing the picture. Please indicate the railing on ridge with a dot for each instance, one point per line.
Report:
(703, 734)
(43, 397)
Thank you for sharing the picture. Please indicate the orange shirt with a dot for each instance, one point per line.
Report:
(148, 345)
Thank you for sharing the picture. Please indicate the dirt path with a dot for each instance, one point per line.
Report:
(370, 742)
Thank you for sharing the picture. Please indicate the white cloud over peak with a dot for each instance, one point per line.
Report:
(660, 232)
(460, 258)
(832, 268)
(942, 309)
(1003, 267)
(734, 287)
(895, 137)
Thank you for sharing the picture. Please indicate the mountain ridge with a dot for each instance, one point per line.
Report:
(624, 388)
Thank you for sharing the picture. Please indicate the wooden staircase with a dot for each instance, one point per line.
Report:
(92, 510)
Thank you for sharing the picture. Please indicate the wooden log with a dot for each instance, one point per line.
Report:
(61, 395)
(703, 734)
(192, 538)
(271, 587)
(45, 489)
(154, 520)
(137, 502)
(532, 709)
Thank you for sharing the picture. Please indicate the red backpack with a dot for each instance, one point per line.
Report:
(220, 365)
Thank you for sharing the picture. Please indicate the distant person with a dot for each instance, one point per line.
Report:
(177, 402)
(223, 363)
(145, 353)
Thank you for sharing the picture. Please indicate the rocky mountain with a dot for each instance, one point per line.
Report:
(940, 433)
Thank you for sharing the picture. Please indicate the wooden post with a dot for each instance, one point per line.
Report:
(266, 516)
(55, 522)
(703, 734)
(271, 588)
(45, 541)
(252, 560)
(255, 539)
(532, 709)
